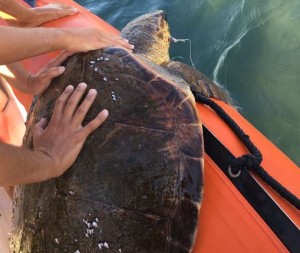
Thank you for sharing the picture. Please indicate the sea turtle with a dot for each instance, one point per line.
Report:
(137, 184)
(152, 39)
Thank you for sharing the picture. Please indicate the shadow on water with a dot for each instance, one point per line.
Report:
(249, 46)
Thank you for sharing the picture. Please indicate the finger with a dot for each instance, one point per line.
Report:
(52, 73)
(45, 79)
(94, 124)
(82, 110)
(60, 103)
(39, 127)
(59, 9)
(124, 43)
(116, 40)
(59, 59)
(113, 43)
(72, 10)
(73, 101)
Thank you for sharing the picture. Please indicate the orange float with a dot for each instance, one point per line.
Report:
(238, 214)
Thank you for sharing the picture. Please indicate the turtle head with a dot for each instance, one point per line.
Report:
(150, 35)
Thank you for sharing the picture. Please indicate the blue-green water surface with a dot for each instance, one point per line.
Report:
(252, 47)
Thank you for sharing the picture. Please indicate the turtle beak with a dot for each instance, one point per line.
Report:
(162, 14)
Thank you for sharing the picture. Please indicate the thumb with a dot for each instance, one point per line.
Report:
(54, 72)
(39, 127)
(46, 78)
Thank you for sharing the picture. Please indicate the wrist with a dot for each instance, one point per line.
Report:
(25, 17)
(23, 166)
(62, 37)
(47, 168)
(65, 38)
(54, 38)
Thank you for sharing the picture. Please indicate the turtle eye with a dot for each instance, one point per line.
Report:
(161, 14)
(164, 16)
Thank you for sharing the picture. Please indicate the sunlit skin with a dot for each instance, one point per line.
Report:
(34, 84)
(57, 144)
(47, 39)
(17, 14)
(52, 154)
(52, 39)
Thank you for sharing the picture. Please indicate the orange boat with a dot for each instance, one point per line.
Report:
(239, 214)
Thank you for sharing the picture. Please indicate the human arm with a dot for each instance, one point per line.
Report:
(56, 146)
(18, 43)
(32, 17)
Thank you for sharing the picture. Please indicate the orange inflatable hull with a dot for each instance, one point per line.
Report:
(227, 222)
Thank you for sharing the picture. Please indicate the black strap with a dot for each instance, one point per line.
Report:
(250, 161)
(282, 226)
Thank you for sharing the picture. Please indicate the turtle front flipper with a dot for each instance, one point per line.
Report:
(198, 81)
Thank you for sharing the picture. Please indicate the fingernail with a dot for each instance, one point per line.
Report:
(69, 88)
(132, 46)
(44, 122)
(126, 40)
(75, 10)
(104, 112)
(61, 69)
(91, 93)
(82, 85)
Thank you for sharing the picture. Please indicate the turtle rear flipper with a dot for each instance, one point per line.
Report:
(198, 81)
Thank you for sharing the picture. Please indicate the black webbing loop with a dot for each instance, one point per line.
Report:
(250, 161)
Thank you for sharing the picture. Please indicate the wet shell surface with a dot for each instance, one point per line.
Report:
(137, 183)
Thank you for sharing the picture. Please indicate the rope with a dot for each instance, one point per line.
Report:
(250, 161)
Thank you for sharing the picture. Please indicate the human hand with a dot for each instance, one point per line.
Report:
(38, 83)
(60, 142)
(86, 39)
(33, 17)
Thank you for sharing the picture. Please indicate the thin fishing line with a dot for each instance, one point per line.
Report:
(175, 57)
(190, 42)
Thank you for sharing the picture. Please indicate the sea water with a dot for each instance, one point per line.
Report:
(252, 47)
